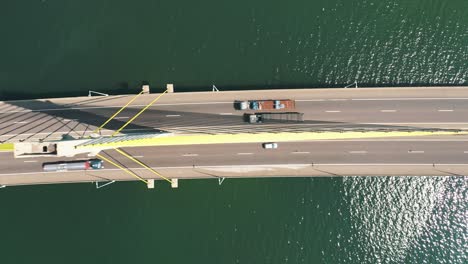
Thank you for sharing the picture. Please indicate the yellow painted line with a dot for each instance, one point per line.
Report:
(6, 147)
(139, 113)
(142, 164)
(122, 168)
(263, 137)
(116, 113)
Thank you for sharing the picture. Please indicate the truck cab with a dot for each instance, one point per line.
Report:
(95, 164)
(241, 105)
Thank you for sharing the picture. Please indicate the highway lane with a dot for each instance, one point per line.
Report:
(214, 113)
(413, 93)
(321, 152)
(383, 108)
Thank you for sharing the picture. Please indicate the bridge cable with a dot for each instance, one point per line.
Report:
(122, 168)
(120, 110)
(139, 113)
(142, 164)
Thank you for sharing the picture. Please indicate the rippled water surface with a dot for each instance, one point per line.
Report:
(296, 220)
(68, 47)
(54, 48)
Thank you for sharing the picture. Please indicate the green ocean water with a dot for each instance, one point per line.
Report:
(65, 48)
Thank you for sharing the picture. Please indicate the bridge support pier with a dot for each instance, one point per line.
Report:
(146, 89)
(150, 184)
(170, 87)
(175, 183)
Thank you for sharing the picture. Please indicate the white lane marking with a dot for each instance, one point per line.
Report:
(190, 155)
(407, 99)
(333, 111)
(225, 113)
(418, 123)
(20, 122)
(300, 152)
(121, 117)
(172, 115)
(104, 107)
(258, 165)
(138, 156)
(445, 110)
(384, 99)
(230, 102)
(30, 161)
(416, 151)
(357, 152)
(466, 151)
(245, 153)
(388, 111)
(337, 99)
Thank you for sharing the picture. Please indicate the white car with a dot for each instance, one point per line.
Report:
(270, 145)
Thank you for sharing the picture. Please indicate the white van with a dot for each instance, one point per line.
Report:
(270, 145)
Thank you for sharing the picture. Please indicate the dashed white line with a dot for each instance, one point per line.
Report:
(466, 151)
(415, 151)
(300, 152)
(190, 155)
(337, 99)
(333, 111)
(20, 122)
(30, 161)
(138, 156)
(388, 111)
(172, 115)
(245, 153)
(358, 152)
(121, 117)
(445, 110)
(407, 99)
(225, 113)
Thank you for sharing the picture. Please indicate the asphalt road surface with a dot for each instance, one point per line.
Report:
(363, 153)
(376, 108)
(389, 108)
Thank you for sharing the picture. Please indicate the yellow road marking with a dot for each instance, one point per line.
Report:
(6, 147)
(262, 137)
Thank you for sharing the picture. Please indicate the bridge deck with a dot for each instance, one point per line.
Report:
(213, 112)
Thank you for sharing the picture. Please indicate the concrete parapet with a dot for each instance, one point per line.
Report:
(63, 148)
(240, 171)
